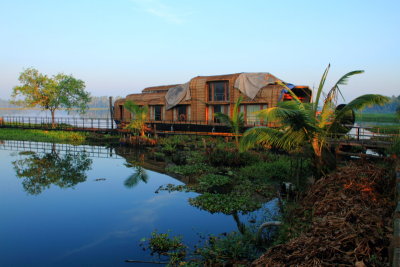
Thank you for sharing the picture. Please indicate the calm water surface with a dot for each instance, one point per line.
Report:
(86, 207)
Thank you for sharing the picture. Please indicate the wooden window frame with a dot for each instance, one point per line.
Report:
(154, 112)
(211, 91)
(179, 117)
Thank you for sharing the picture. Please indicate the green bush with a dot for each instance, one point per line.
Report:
(196, 169)
(228, 249)
(277, 170)
(230, 157)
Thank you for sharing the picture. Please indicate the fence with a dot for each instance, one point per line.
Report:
(358, 133)
(67, 123)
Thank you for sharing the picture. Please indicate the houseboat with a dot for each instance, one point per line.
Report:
(192, 106)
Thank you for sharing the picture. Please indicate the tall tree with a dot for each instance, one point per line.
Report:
(59, 91)
(304, 123)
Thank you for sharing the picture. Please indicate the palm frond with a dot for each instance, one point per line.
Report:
(327, 113)
(320, 88)
(138, 176)
(223, 118)
(280, 112)
(345, 78)
(132, 107)
(236, 121)
(360, 103)
(286, 140)
(290, 114)
(236, 108)
(259, 135)
(294, 96)
(335, 90)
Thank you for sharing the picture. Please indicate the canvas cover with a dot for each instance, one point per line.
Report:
(251, 83)
(177, 94)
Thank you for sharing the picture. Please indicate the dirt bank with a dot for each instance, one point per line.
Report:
(351, 223)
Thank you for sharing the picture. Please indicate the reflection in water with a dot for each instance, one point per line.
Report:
(139, 175)
(39, 171)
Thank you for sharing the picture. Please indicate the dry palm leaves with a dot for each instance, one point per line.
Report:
(351, 226)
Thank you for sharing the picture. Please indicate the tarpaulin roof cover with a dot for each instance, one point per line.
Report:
(251, 83)
(177, 94)
(248, 83)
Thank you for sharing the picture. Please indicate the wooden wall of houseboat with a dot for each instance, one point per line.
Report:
(199, 108)
(268, 96)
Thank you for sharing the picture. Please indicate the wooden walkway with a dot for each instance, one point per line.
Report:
(358, 137)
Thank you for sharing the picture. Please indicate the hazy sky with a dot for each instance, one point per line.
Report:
(119, 47)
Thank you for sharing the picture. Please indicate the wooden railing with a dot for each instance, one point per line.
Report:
(357, 133)
(61, 123)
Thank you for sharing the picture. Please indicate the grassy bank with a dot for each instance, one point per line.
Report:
(76, 138)
(377, 117)
(386, 129)
(43, 136)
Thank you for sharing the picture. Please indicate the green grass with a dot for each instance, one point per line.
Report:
(377, 117)
(386, 129)
(43, 136)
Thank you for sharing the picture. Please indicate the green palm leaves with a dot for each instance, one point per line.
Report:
(139, 117)
(307, 123)
(235, 122)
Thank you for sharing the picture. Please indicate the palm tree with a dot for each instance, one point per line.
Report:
(235, 122)
(303, 123)
(138, 122)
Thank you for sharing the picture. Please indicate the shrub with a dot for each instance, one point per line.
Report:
(196, 169)
(278, 170)
(230, 157)
(228, 249)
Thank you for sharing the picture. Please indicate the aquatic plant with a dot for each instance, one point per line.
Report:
(162, 244)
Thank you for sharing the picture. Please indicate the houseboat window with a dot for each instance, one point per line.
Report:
(157, 113)
(182, 114)
(252, 117)
(219, 109)
(218, 91)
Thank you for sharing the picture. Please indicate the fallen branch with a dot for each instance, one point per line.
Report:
(150, 262)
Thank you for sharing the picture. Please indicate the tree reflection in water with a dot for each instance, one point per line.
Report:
(39, 171)
(139, 175)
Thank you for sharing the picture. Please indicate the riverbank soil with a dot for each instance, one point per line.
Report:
(351, 223)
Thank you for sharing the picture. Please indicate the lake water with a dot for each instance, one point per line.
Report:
(65, 205)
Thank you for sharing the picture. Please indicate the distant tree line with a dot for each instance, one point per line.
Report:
(95, 102)
(391, 107)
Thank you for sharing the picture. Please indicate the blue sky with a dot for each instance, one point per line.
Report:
(119, 47)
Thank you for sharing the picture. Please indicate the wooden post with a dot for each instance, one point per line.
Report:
(111, 111)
